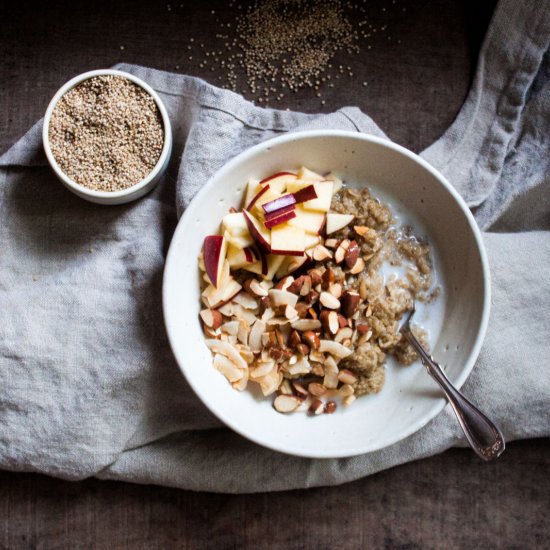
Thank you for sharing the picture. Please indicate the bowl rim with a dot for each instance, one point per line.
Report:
(92, 193)
(475, 350)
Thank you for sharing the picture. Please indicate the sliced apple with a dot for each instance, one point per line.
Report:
(291, 264)
(269, 196)
(261, 190)
(306, 194)
(279, 212)
(335, 222)
(283, 201)
(239, 241)
(214, 250)
(308, 220)
(274, 262)
(278, 220)
(239, 257)
(287, 240)
(279, 181)
(297, 185)
(307, 174)
(259, 232)
(225, 293)
(256, 267)
(311, 240)
(235, 223)
(252, 188)
(324, 197)
(338, 183)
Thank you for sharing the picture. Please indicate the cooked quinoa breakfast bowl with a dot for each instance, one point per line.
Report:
(287, 280)
(294, 296)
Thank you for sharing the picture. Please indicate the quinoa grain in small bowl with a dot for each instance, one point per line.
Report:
(107, 136)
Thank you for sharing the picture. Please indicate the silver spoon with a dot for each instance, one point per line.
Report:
(484, 437)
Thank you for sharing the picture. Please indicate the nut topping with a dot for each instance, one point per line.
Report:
(329, 301)
(352, 254)
(350, 302)
(311, 339)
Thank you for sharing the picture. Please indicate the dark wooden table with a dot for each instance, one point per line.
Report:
(417, 81)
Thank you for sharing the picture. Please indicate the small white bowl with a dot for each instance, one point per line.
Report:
(110, 197)
(409, 398)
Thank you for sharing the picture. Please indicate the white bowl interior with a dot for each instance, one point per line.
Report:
(409, 398)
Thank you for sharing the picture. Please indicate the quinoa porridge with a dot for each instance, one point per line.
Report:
(304, 289)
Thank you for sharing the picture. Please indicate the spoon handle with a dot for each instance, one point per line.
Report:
(484, 437)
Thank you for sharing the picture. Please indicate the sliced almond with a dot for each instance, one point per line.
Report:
(358, 267)
(270, 382)
(242, 333)
(316, 389)
(303, 325)
(327, 278)
(329, 301)
(282, 297)
(291, 314)
(296, 286)
(254, 287)
(321, 253)
(347, 377)
(316, 407)
(334, 348)
(311, 339)
(212, 318)
(352, 254)
(284, 283)
(336, 290)
(299, 388)
(350, 302)
(315, 275)
(330, 321)
(285, 388)
(340, 254)
(332, 243)
(285, 403)
(306, 286)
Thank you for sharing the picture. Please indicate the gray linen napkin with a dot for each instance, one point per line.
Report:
(88, 385)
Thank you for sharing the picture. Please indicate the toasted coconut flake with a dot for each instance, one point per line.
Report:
(290, 313)
(270, 382)
(227, 368)
(304, 325)
(268, 314)
(343, 334)
(263, 368)
(301, 366)
(255, 336)
(230, 327)
(241, 384)
(228, 350)
(334, 348)
(282, 298)
(246, 300)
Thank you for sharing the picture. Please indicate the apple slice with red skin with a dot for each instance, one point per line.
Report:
(279, 181)
(214, 252)
(287, 240)
(259, 233)
(239, 257)
(283, 201)
(278, 220)
(309, 220)
(306, 194)
(262, 190)
(324, 197)
(278, 213)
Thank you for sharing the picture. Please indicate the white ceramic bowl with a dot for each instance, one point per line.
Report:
(409, 398)
(110, 197)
